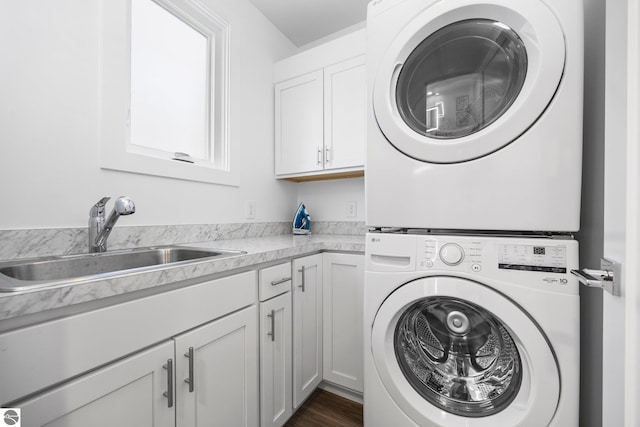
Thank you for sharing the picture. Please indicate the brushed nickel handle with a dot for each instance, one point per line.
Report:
(273, 325)
(278, 282)
(607, 278)
(169, 393)
(327, 158)
(319, 156)
(189, 380)
(302, 285)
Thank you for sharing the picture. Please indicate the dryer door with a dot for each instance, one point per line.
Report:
(462, 80)
(450, 349)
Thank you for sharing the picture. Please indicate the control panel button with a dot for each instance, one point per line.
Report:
(476, 267)
(451, 254)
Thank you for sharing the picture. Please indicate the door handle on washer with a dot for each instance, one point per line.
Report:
(608, 278)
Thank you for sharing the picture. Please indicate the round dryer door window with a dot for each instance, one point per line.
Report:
(449, 349)
(463, 80)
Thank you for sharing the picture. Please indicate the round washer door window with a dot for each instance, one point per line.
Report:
(458, 356)
(461, 81)
(450, 349)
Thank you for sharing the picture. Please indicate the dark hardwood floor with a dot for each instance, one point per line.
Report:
(324, 409)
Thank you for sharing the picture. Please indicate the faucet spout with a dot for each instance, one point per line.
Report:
(99, 228)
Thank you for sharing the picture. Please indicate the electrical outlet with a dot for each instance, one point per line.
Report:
(352, 209)
(250, 209)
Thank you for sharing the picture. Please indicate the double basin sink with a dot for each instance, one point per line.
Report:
(38, 273)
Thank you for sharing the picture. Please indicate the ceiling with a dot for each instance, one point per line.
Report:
(305, 21)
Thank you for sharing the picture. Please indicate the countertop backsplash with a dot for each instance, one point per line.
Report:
(29, 243)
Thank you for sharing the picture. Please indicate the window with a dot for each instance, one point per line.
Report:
(165, 90)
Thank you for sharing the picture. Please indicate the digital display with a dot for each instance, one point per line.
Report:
(546, 259)
(541, 268)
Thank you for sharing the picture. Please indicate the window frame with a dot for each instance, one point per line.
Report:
(116, 151)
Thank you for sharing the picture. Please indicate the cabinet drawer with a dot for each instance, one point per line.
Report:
(274, 280)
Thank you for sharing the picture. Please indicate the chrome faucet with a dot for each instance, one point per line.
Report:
(99, 228)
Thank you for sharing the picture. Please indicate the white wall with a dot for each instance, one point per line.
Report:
(327, 200)
(49, 124)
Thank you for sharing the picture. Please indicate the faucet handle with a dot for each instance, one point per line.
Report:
(124, 206)
(98, 208)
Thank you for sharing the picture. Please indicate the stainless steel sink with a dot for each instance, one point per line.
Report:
(22, 275)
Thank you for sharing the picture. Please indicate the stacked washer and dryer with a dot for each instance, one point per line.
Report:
(472, 189)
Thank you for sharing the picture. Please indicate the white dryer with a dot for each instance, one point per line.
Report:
(470, 331)
(474, 114)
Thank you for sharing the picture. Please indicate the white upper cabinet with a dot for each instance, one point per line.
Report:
(299, 124)
(320, 111)
(344, 114)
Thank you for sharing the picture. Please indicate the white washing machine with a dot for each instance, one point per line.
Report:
(467, 330)
(474, 114)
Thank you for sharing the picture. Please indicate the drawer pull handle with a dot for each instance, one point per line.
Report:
(169, 393)
(273, 325)
(302, 281)
(189, 380)
(278, 282)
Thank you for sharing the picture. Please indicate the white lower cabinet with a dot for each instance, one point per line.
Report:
(111, 372)
(276, 405)
(210, 380)
(343, 281)
(217, 373)
(130, 392)
(307, 326)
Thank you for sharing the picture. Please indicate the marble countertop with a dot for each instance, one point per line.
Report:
(258, 250)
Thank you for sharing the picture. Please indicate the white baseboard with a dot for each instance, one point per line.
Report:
(341, 391)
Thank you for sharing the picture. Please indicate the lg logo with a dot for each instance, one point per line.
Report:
(12, 417)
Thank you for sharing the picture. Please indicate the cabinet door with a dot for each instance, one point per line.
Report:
(307, 326)
(125, 393)
(220, 362)
(344, 114)
(299, 124)
(343, 281)
(275, 361)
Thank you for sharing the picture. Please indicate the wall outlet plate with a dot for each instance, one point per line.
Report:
(250, 209)
(352, 209)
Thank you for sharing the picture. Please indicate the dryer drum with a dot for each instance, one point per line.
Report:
(458, 356)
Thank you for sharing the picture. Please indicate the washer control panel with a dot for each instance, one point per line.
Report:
(475, 256)
(540, 262)
(451, 253)
(465, 255)
(547, 259)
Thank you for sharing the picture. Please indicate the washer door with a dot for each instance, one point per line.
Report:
(450, 349)
(461, 80)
